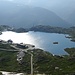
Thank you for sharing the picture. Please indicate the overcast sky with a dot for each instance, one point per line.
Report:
(46, 3)
(43, 2)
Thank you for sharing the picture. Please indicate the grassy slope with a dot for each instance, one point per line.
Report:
(43, 61)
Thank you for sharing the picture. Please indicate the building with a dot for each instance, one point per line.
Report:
(10, 41)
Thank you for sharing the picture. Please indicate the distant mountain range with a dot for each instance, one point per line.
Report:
(71, 18)
(62, 8)
(25, 16)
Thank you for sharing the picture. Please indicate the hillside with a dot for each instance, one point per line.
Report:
(44, 62)
(71, 18)
(25, 16)
(61, 7)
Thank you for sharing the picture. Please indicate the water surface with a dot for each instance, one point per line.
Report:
(41, 40)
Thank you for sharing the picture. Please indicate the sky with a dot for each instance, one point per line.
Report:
(44, 3)
(49, 4)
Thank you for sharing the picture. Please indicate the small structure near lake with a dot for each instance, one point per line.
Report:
(10, 41)
(55, 42)
(22, 46)
(0, 32)
(1, 41)
(68, 36)
(20, 56)
(73, 40)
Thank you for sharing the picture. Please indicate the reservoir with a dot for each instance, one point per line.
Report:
(52, 42)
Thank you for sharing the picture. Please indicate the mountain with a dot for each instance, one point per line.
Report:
(71, 18)
(25, 16)
(61, 7)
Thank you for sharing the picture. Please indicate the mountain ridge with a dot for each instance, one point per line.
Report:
(71, 18)
(25, 16)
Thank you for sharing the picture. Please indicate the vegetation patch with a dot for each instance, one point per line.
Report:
(44, 62)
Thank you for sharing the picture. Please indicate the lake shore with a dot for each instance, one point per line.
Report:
(45, 40)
